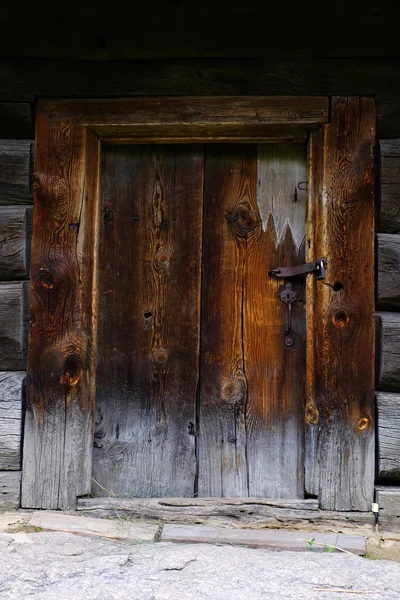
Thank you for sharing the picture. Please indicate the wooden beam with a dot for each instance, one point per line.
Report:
(15, 120)
(15, 171)
(11, 391)
(10, 489)
(388, 280)
(15, 242)
(14, 324)
(388, 499)
(340, 309)
(58, 431)
(224, 511)
(389, 206)
(388, 351)
(388, 413)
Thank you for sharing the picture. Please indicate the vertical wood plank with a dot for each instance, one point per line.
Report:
(150, 259)
(340, 352)
(60, 381)
(275, 372)
(230, 218)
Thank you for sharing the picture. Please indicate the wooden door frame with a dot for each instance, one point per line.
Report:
(64, 282)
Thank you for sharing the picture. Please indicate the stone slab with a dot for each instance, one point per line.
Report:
(271, 539)
(13, 520)
(109, 528)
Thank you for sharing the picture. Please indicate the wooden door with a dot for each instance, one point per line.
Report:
(197, 393)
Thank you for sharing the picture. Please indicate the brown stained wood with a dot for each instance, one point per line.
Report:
(388, 351)
(10, 489)
(388, 270)
(236, 512)
(150, 258)
(275, 372)
(60, 382)
(15, 242)
(11, 396)
(15, 171)
(388, 413)
(14, 325)
(388, 499)
(340, 355)
(231, 217)
(389, 205)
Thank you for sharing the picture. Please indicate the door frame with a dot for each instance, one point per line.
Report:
(61, 382)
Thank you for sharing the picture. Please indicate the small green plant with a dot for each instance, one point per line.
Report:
(311, 544)
(37, 529)
(330, 549)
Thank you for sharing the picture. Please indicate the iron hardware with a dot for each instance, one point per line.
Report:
(288, 295)
(318, 267)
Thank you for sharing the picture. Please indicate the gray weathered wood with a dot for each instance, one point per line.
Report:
(388, 253)
(14, 323)
(388, 351)
(224, 511)
(10, 489)
(388, 499)
(11, 391)
(388, 412)
(15, 171)
(389, 206)
(15, 242)
(15, 120)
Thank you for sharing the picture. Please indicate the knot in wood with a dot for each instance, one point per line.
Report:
(340, 318)
(72, 372)
(312, 414)
(243, 220)
(161, 259)
(362, 423)
(160, 356)
(233, 391)
(46, 278)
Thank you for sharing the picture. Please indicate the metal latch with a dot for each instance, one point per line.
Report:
(317, 266)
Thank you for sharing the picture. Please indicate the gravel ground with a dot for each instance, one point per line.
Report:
(63, 566)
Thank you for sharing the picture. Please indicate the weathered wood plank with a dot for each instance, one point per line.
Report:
(230, 215)
(14, 325)
(388, 279)
(225, 511)
(11, 392)
(148, 350)
(275, 372)
(340, 310)
(61, 375)
(388, 413)
(388, 499)
(388, 351)
(15, 242)
(10, 489)
(15, 120)
(389, 205)
(15, 171)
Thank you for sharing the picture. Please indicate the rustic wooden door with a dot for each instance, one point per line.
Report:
(197, 392)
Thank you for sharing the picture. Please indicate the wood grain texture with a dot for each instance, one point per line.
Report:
(15, 171)
(388, 271)
(14, 325)
(10, 489)
(61, 377)
(15, 242)
(389, 205)
(388, 414)
(388, 351)
(340, 310)
(15, 120)
(236, 512)
(231, 218)
(275, 373)
(148, 362)
(11, 396)
(388, 499)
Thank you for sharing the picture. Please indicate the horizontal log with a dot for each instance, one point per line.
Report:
(223, 511)
(388, 499)
(15, 171)
(389, 205)
(14, 323)
(388, 351)
(15, 120)
(15, 242)
(388, 280)
(11, 391)
(388, 413)
(10, 489)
